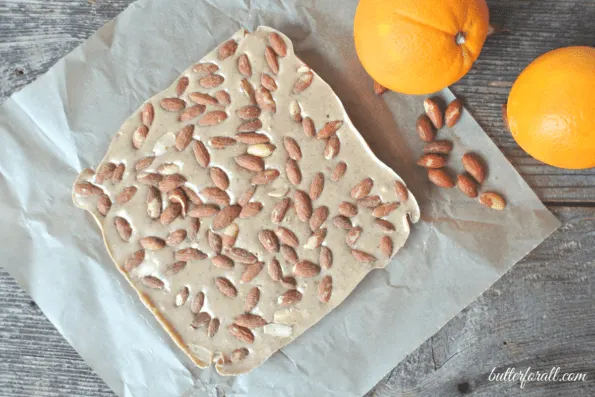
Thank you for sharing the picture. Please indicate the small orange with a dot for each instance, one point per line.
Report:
(551, 108)
(419, 46)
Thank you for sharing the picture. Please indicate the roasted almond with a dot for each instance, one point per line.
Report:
(250, 126)
(467, 185)
(211, 81)
(230, 235)
(193, 228)
(172, 104)
(182, 297)
(149, 178)
(244, 66)
(242, 256)
(189, 254)
(168, 169)
(279, 210)
(292, 148)
(265, 177)
(268, 82)
(271, 59)
(385, 209)
(453, 112)
(250, 162)
(251, 272)
(219, 177)
(261, 150)
(104, 204)
(385, 225)
(317, 186)
(252, 298)
(213, 327)
(87, 189)
(316, 239)
(289, 254)
(147, 114)
(369, 201)
(493, 201)
(362, 189)
(440, 177)
(362, 256)
(289, 282)
(250, 321)
(226, 216)
(290, 297)
(118, 173)
(347, 209)
(223, 97)
(303, 205)
(308, 126)
(201, 154)
(200, 320)
(222, 262)
(123, 228)
(227, 49)
(205, 68)
(338, 171)
(203, 211)
(294, 174)
(329, 129)
(386, 246)
(203, 99)
(215, 241)
(432, 160)
(265, 100)
(134, 260)
(303, 82)
(192, 112)
(152, 243)
(401, 191)
(326, 257)
(333, 146)
(178, 196)
(278, 44)
(248, 90)
(475, 166)
(295, 111)
(144, 163)
(171, 182)
(319, 216)
(325, 289)
(434, 112)
(211, 118)
(221, 142)
(274, 270)
(269, 240)
(353, 235)
(105, 172)
(252, 138)
(342, 222)
(286, 236)
(198, 302)
(242, 333)
(247, 196)
(249, 112)
(170, 213)
(126, 194)
(216, 195)
(440, 147)
(424, 129)
(176, 237)
(152, 282)
(250, 210)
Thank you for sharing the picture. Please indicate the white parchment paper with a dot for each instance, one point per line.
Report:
(64, 121)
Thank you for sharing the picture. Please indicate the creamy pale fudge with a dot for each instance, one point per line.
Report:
(242, 204)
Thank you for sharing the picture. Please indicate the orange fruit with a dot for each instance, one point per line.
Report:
(551, 108)
(419, 46)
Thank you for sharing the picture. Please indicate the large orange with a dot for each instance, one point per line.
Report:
(551, 108)
(419, 46)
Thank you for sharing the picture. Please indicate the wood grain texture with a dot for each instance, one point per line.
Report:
(540, 314)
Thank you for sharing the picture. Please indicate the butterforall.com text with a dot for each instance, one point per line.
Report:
(554, 375)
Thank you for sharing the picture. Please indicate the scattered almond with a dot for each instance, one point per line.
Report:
(123, 228)
(453, 112)
(222, 262)
(353, 235)
(126, 194)
(440, 147)
(171, 182)
(250, 162)
(170, 213)
(176, 237)
(333, 146)
(286, 236)
(308, 126)
(213, 327)
(292, 148)
(369, 201)
(221, 142)
(385, 225)
(319, 216)
(252, 299)
(152, 243)
(326, 257)
(325, 289)
(242, 256)
(250, 210)
(250, 321)
(201, 153)
(190, 254)
(434, 112)
(303, 82)
(279, 210)
(290, 297)
(386, 246)
(182, 297)
(250, 126)
(227, 49)
(268, 82)
(338, 171)
(251, 272)
(294, 174)
(467, 185)
(252, 138)
(147, 115)
(265, 100)
(172, 104)
(269, 240)
(274, 270)
(239, 354)
(200, 320)
(219, 178)
(316, 239)
(134, 260)
(362, 256)
(214, 117)
(247, 196)
(493, 201)
(104, 204)
(475, 166)
(265, 177)
(192, 112)
(226, 216)
(440, 177)
(424, 128)
(342, 222)
(261, 150)
(278, 44)
(152, 282)
(329, 129)
(215, 241)
(347, 209)
(303, 205)
(87, 189)
(385, 209)
(432, 160)
(244, 66)
(289, 254)
(362, 189)
(203, 99)
(242, 333)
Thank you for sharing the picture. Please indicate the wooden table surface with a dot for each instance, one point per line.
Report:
(541, 314)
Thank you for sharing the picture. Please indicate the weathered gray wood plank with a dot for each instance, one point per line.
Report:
(34, 34)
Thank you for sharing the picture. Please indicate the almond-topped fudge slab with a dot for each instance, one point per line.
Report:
(242, 204)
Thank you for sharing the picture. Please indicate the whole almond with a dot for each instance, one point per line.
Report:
(269, 240)
(152, 243)
(123, 228)
(193, 228)
(104, 204)
(333, 146)
(309, 128)
(227, 49)
(303, 205)
(268, 82)
(289, 282)
(213, 327)
(192, 195)
(289, 254)
(493, 201)
(147, 115)
(192, 112)
(342, 222)
(247, 196)
(242, 256)
(362, 189)
(362, 256)
(265, 177)
(271, 58)
(118, 173)
(172, 104)
(211, 81)
(215, 241)
(265, 100)
(319, 216)
(369, 201)
(250, 162)
(292, 148)
(252, 299)
(440, 147)
(178, 196)
(105, 172)
(325, 289)
(467, 185)
(212, 118)
(279, 210)
(250, 126)
(295, 111)
(453, 112)
(326, 257)
(278, 44)
(261, 150)
(182, 297)
(134, 260)
(252, 138)
(219, 177)
(434, 112)
(290, 297)
(248, 90)
(424, 129)
(353, 235)
(144, 163)
(244, 66)
(251, 272)
(221, 142)
(386, 246)
(294, 174)
(126, 194)
(171, 182)
(201, 154)
(170, 213)
(198, 302)
(379, 89)
(149, 178)
(440, 177)
(286, 236)
(205, 68)
(152, 282)
(223, 97)
(317, 186)
(329, 129)
(401, 191)
(226, 216)
(242, 333)
(338, 171)
(203, 211)
(250, 210)
(274, 270)
(216, 195)
(303, 82)
(176, 237)
(189, 254)
(182, 85)
(385, 209)
(347, 209)
(250, 321)
(222, 262)
(203, 99)
(249, 112)
(139, 136)
(385, 225)
(316, 239)
(201, 319)
(153, 202)
(475, 166)
(168, 169)
(432, 160)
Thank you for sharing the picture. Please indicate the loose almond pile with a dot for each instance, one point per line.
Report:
(231, 203)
